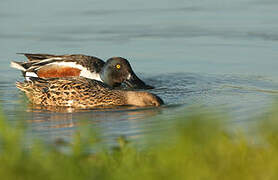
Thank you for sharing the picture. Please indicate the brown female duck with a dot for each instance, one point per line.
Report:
(79, 92)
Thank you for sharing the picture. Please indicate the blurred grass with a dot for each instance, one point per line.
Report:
(200, 148)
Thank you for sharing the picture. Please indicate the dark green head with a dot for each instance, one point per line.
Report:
(117, 70)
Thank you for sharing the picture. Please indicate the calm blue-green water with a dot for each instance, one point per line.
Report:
(216, 53)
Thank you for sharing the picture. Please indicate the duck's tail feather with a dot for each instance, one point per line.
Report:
(32, 57)
(22, 66)
(17, 65)
(28, 84)
(23, 86)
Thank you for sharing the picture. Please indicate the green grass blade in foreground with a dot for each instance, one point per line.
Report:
(201, 148)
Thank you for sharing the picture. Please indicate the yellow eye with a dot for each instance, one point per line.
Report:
(118, 66)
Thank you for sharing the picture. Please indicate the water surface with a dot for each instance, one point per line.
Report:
(220, 54)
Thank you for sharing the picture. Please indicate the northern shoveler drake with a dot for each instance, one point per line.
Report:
(79, 92)
(113, 72)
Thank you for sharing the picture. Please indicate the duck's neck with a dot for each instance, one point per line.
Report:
(105, 77)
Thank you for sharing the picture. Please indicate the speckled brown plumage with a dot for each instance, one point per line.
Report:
(80, 92)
